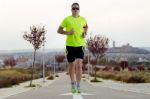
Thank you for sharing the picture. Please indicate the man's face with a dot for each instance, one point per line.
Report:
(75, 9)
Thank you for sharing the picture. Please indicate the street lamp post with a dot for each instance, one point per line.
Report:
(88, 65)
(43, 62)
(54, 65)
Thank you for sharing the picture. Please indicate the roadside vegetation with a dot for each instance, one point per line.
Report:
(9, 77)
(127, 76)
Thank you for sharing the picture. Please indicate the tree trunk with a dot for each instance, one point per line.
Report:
(95, 67)
(95, 72)
(32, 73)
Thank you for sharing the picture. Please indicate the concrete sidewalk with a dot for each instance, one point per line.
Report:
(16, 89)
(132, 87)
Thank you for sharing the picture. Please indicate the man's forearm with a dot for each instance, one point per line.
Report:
(85, 29)
(62, 32)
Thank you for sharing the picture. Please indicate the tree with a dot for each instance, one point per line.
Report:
(36, 37)
(9, 61)
(123, 63)
(59, 59)
(85, 61)
(97, 45)
(93, 63)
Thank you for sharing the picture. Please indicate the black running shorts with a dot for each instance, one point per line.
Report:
(74, 52)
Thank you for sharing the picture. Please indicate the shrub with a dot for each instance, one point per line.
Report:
(106, 75)
(14, 77)
(148, 68)
(126, 76)
(51, 77)
(117, 68)
(132, 69)
(95, 80)
(124, 64)
(56, 75)
(140, 68)
(135, 79)
(107, 68)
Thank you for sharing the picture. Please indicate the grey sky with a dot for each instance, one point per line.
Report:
(124, 21)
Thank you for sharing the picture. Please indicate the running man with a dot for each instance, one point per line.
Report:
(75, 27)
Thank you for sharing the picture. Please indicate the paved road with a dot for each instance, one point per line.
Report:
(62, 86)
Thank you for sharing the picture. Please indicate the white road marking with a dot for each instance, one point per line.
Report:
(76, 95)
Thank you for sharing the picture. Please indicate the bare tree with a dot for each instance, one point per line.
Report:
(59, 59)
(97, 45)
(93, 63)
(85, 61)
(9, 61)
(36, 37)
(124, 64)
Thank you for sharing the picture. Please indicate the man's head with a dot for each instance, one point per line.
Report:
(75, 8)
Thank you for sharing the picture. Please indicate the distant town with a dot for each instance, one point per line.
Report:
(23, 58)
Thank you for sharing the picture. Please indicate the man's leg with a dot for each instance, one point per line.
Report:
(78, 72)
(71, 61)
(71, 71)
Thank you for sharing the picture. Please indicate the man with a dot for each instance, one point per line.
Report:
(75, 27)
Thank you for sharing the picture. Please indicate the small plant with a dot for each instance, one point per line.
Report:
(117, 68)
(148, 68)
(33, 85)
(140, 68)
(67, 73)
(107, 68)
(124, 64)
(132, 69)
(135, 79)
(51, 77)
(56, 75)
(95, 80)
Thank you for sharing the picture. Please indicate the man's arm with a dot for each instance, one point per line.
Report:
(85, 30)
(61, 31)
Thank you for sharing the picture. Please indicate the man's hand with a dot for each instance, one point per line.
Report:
(61, 31)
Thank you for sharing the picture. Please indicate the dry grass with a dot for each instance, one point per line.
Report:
(126, 76)
(14, 76)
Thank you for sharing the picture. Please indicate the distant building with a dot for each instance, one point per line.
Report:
(143, 62)
(127, 49)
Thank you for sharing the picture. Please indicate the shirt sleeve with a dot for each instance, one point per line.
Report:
(63, 23)
(85, 22)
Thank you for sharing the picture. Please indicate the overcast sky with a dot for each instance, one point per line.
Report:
(122, 21)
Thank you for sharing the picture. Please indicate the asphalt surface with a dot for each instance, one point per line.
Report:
(61, 86)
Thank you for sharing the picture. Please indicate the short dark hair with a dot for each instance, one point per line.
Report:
(75, 3)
